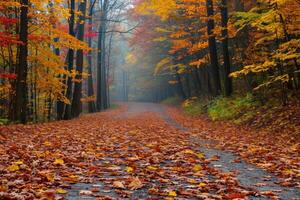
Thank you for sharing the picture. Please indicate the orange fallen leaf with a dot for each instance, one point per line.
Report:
(118, 184)
(135, 184)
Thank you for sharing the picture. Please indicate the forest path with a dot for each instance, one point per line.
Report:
(255, 182)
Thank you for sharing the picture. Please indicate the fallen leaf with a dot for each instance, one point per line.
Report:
(58, 161)
(61, 191)
(197, 168)
(172, 193)
(85, 192)
(118, 184)
(13, 168)
(202, 184)
(129, 169)
(135, 184)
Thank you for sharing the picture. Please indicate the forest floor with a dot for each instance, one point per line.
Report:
(146, 151)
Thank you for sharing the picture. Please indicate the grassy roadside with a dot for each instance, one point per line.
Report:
(245, 110)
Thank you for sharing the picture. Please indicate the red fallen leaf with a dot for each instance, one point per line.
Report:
(95, 190)
(235, 196)
(49, 194)
(185, 192)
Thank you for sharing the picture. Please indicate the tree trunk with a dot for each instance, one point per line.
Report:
(20, 113)
(70, 56)
(224, 21)
(77, 95)
(59, 104)
(214, 68)
(101, 71)
(180, 86)
(91, 105)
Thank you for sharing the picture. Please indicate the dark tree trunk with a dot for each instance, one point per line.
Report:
(188, 86)
(77, 95)
(108, 68)
(214, 68)
(101, 100)
(180, 86)
(197, 80)
(59, 104)
(125, 85)
(20, 107)
(91, 105)
(67, 114)
(227, 79)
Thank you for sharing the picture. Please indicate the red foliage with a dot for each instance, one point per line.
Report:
(8, 76)
(6, 20)
(8, 39)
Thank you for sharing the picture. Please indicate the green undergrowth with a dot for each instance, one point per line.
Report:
(4, 121)
(238, 109)
(195, 106)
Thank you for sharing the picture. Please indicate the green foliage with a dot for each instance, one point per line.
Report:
(4, 121)
(172, 101)
(238, 109)
(195, 106)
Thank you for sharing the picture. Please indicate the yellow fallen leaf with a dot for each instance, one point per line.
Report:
(47, 143)
(61, 191)
(197, 168)
(201, 156)
(13, 168)
(202, 184)
(152, 168)
(172, 193)
(129, 169)
(19, 162)
(188, 151)
(58, 161)
(288, 172)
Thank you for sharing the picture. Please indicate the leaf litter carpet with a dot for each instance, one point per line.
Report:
(134, 152)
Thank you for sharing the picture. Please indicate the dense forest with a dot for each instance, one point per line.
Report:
(212, 48)
(55, 57)
(62, 58)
